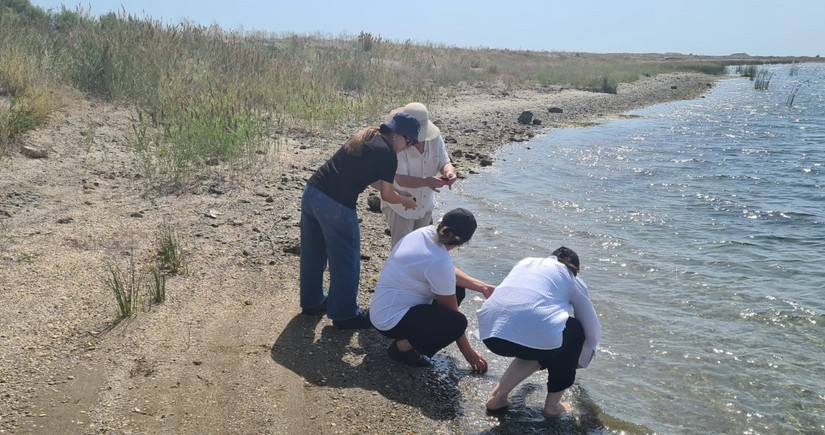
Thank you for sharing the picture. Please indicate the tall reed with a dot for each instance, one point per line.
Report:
(763, 80)
(792, 96)
(793, 70)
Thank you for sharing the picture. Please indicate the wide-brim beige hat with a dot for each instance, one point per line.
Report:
(419, 111)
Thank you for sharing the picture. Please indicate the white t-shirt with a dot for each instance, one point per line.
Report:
(417, 270)
(531, 306)
(417, 164)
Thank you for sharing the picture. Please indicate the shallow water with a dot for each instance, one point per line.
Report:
(701, 228)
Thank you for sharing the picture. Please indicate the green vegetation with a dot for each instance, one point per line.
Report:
(760, 77)
(131, 287)
(793, 70)
(792, 96)
(27, 96)
(205, 98)
(169, 255)
(748, 71)
(763, 80)
(157, 286)
(126, 286)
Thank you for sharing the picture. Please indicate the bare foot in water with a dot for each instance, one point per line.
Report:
(554, 410)
(496, 403)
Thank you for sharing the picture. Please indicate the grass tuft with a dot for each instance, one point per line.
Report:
(169, 254)
(157, 286)
(126, 287)
(129, 285)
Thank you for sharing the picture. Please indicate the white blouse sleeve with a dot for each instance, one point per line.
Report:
(585, 313)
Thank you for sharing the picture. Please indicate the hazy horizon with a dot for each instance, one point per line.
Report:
(702, 27)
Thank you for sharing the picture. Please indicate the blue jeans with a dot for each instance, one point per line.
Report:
(329, 234)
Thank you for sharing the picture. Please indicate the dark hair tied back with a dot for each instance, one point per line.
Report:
(569, 258)
(447, 236)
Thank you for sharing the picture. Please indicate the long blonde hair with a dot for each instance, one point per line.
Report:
(356, 142)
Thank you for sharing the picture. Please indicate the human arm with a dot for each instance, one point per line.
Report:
(462, 279)
(446, 168)
(474, 358)
(434, 183)
(390, 195)
(586, 314)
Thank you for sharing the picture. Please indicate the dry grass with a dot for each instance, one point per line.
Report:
(205, 96)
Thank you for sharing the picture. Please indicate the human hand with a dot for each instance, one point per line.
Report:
(477, 362)
(408, 202)
(435, 183)
(487, 290)
(449, 178)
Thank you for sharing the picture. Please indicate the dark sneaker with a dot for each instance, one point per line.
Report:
(318, 310)
(361, 321)
(410, 357)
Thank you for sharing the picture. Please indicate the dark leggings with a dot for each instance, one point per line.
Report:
(561, 363)
(430, 327)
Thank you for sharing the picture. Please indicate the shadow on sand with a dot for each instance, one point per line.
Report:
(332, 360)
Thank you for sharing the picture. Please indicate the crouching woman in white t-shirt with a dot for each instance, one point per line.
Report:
(528, 317)
(415, 299)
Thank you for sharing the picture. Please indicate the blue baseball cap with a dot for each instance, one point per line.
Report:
(404, 124)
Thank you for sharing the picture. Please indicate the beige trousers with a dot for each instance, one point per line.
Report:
(400, 226)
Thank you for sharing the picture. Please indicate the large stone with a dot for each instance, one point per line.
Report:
(374, 204)
(33, 152)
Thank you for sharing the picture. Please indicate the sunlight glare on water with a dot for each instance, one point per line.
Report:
(701, 228)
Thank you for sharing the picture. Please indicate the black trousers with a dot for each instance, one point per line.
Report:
(430, 327)
(561, 363)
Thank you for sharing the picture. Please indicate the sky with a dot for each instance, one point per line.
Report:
(702, 27)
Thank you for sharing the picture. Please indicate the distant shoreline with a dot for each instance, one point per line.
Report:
(476, 123)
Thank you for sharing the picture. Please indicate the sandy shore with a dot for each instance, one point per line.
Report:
(227, 352)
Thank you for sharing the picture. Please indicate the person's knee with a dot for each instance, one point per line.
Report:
(574, 332)
(560, 381)
(461, 320)
(457, 324)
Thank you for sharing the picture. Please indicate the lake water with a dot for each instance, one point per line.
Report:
(701, 229)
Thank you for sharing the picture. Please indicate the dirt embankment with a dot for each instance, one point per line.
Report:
(227, 352)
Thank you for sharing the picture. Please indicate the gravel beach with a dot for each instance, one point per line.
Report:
(227, 352)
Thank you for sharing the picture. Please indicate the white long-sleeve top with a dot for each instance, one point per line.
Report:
(420, 164)
(531, 307)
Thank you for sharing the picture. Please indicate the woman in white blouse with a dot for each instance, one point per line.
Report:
(423, 169)
(528, 318)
